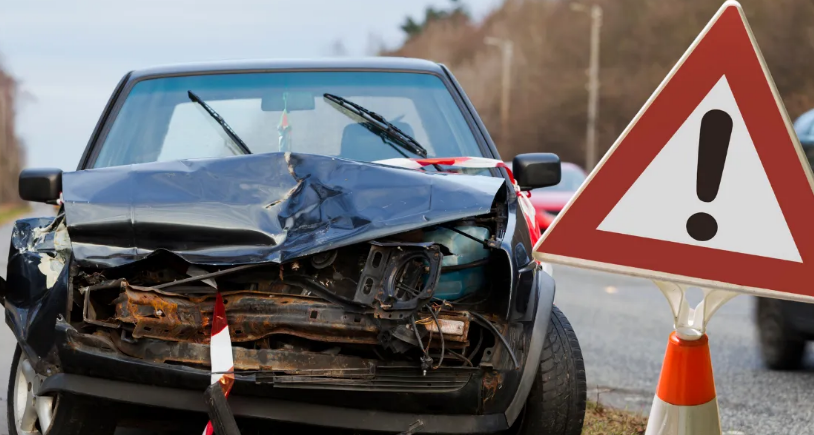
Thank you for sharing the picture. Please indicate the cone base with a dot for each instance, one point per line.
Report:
(668, 419)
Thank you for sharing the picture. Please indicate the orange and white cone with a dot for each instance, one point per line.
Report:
(685, 402)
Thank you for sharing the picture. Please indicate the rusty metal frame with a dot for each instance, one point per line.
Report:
(252, 315)
(88, 313)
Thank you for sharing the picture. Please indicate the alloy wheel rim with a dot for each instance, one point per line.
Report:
(31, 413)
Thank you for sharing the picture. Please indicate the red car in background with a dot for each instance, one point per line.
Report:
(549, 201)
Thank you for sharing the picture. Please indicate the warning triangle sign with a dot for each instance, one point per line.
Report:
(707, 186)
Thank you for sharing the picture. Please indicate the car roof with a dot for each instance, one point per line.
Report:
(363, 63)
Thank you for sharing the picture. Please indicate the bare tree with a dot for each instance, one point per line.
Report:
(640, 41)
(10, 151)
(375, 44)
(338, 48)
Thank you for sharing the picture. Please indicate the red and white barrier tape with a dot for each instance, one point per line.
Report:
(220, 353)
(477, 162)
(460, 162)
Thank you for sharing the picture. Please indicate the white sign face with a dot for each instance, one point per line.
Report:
(749, 219)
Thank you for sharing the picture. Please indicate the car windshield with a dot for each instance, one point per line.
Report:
(571, 179)
(284, 111)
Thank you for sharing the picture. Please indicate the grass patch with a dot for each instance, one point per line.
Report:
(10, 211)
(600, 420)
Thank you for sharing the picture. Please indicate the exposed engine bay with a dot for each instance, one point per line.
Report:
(417, 297)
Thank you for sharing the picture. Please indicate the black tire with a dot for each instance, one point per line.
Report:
(556, 403)
(73, 415)
(781, 345)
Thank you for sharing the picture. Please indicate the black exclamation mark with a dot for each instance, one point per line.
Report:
(716, 129)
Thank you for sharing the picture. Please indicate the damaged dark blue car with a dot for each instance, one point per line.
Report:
(372, 251)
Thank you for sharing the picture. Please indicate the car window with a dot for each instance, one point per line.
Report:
(274, 112)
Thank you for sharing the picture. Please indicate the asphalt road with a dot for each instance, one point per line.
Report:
(622, 324)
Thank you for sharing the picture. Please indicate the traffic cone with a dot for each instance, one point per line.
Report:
(685, 402)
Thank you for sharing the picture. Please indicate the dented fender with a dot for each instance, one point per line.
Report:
(37, 283)
(545, 290)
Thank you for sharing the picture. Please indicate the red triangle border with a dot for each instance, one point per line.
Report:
(725, 50)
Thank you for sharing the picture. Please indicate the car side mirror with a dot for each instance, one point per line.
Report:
(40, 185)
(535, 170)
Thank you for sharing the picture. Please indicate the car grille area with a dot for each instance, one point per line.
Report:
(386, 380)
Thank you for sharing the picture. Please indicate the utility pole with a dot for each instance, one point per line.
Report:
(507, 49)
(595, 12)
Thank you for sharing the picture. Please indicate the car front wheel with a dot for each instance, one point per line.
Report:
(556, 403)
(29, 414)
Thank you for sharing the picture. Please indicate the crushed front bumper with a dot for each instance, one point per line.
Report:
(276, 409)
(454, 400)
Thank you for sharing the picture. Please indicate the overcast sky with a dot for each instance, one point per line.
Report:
(69, 55)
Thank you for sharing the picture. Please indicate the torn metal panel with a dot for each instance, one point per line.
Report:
(51, 268)
(34, 299)
(53, 258)
(274, 207)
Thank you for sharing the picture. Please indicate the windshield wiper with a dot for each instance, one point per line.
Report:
(377, 122)
(228, 130)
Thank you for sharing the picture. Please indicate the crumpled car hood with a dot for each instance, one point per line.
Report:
(256, 208)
